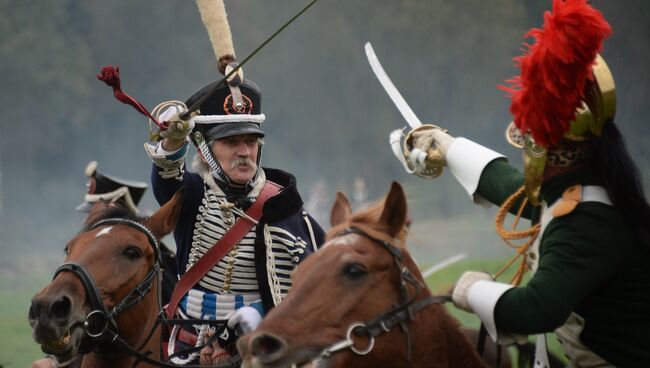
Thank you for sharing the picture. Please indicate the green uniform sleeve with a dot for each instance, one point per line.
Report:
(577, 252)
(499, 180)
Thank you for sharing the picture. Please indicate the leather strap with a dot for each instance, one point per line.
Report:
(221, 247)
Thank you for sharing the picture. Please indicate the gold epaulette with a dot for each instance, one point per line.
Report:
(569, 201)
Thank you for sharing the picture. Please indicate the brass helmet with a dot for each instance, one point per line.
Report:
(565, 93)
(598, 107)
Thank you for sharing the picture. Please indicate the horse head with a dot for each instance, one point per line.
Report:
(107, 282)
(359, 286)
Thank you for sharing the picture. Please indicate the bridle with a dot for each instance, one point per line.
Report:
(100, 323)
(399, 315)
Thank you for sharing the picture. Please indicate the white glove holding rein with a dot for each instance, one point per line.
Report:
(459, 294)
(248, 318)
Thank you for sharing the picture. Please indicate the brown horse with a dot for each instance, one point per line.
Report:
(104, 299)
(360, 301)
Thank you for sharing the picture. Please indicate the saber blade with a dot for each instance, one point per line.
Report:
(443, 264)
(390, 88)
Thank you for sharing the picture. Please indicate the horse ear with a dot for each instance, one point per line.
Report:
(164, 220)
(394, 214)
(341, 210)
(97, 208)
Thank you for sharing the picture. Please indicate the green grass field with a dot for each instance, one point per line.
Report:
(19, 350)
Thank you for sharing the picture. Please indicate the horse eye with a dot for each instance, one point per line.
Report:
(66, 251)
(132, 252)
(354, 271)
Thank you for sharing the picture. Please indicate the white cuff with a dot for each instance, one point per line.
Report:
(466, 161)
(163, 152)
(482, 297)
(172, 163)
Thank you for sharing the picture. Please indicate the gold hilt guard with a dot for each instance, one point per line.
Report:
(154, 131)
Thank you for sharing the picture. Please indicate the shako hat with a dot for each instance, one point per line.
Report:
(232, 107)
(229, 106)
(225, 112)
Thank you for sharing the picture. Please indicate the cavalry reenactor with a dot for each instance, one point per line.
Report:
(591, 239)
(242, 228)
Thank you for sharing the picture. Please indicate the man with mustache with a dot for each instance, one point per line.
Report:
(254, 273)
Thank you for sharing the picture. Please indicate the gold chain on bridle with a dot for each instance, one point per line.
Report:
(509, 235)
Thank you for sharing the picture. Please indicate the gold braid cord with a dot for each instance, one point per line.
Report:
(509, 235)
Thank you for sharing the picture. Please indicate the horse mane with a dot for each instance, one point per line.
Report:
(114, 212)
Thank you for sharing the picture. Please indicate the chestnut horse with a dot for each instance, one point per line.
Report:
(360, 301)
(104, 300)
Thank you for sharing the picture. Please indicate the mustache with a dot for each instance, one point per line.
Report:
(243, 161)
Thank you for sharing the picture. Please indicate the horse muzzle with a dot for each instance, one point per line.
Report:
(265, 350)
(54, 324)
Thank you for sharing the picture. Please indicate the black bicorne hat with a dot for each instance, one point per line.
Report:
(111, 189)
(228, 111)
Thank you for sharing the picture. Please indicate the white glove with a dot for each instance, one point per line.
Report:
(248, 318)
(428, 145)
(459, 294)
(51, 361)
(45, 363)
(177, 129)
(424, 139)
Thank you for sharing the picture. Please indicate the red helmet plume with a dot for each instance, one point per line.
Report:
(555, 68)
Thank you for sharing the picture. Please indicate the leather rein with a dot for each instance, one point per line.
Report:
(399, 315)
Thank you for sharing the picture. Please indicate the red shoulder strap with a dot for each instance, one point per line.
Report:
(233, 236)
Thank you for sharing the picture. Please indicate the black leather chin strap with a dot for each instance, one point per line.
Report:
(92, 292)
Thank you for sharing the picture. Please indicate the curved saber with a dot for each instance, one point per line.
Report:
(443, 264)
(390, 88)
